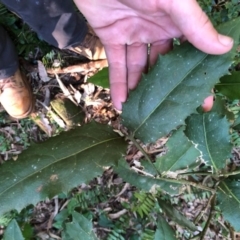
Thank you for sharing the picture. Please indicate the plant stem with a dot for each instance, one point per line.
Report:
(178, 181)
(196, 173)
(181, 181)
(139, 147)
(204, 211)
(211, 174)
(212, 202)
(229, 174)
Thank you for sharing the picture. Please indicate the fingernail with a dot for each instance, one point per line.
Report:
(224, 40)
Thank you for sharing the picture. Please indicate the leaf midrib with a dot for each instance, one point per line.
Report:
(168, 93)
(206, 142)
(85, 149)
(179, 83)
(232, 194)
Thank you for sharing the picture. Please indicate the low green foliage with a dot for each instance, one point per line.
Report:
(164, 231)
(145, 203)
(220, 11)
(53, 59)
(229, 86)
(24, 38)
(16, 134)
(80, 226)
(101, 78)
(13, 231)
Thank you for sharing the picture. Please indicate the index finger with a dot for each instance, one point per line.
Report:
(116, 55)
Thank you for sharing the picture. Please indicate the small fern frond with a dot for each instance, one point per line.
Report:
(145, 203)
(148, 234)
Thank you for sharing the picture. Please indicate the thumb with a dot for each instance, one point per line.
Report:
(197, 28)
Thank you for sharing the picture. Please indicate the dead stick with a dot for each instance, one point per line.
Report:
(82, 68)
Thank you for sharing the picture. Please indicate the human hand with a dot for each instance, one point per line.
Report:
(126, 27)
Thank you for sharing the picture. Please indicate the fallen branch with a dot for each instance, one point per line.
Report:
(82, 68)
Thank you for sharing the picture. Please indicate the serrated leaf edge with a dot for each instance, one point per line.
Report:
(167, 94)
(30, 175)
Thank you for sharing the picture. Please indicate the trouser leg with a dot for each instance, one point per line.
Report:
(55, 21)
(8, 56)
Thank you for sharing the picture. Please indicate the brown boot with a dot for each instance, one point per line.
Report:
(91, 47)
(16, 96)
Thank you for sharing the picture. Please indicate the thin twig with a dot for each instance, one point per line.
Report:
(83, 68)
(186, 182)
(143, 172)
(211, 174)
(204, 231)
(49, 225)
(229, 174)
(118, 214)
(197, 173)
(125, 187)
(198, 218)
(177, 181)
(65, 90)
(104, 229)
(54, 236)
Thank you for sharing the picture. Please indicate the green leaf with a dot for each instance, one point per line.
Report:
(27, 231)
(79, 228)
(228, 196)
(219, 107)
(173, 89)
(176, 216)
(101, 78)
(60, 218)
(145, 182)
(210, 133)
(181, 154)
(59, 164)
(145, 203)
(164, 231)
(13, 231)
(105, 222)
(236, 124)
(229, 86)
